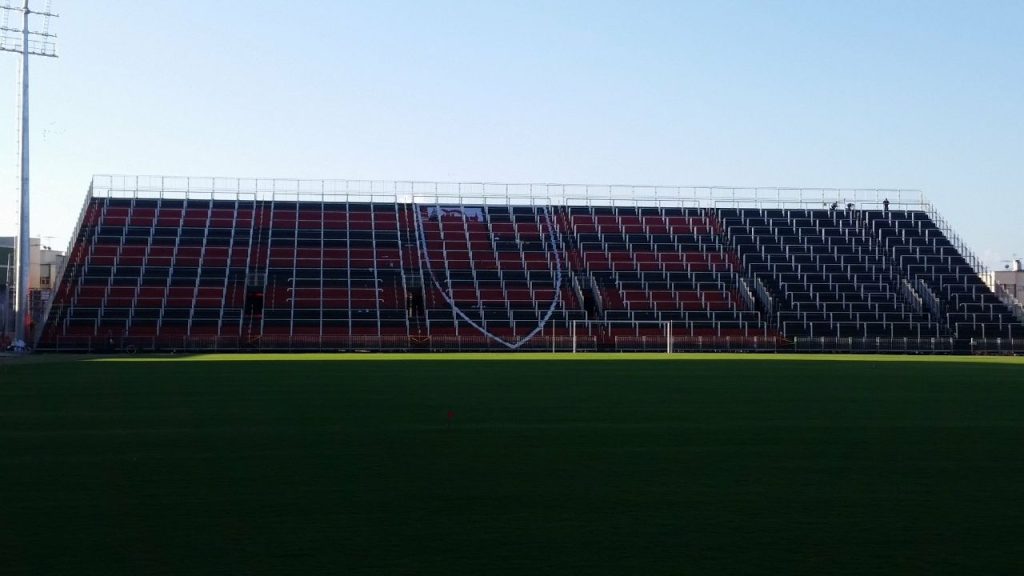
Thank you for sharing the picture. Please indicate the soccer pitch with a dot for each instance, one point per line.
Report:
(512, 464)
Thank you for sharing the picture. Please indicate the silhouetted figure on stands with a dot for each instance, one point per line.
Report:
(885, 205)
(834, 206)
(414, 303)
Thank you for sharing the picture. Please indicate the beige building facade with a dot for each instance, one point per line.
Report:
(1009, 281)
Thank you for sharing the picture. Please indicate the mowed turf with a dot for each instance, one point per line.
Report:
(614, 466)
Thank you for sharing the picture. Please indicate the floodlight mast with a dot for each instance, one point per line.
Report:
(42, 47)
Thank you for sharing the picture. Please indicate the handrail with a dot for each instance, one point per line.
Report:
(910, 296)
(768, 301)
(55, 287)
(745, 293)
(565, 194)
(929, 299)
(976, 263)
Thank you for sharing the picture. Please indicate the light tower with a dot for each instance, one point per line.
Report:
(21, 40)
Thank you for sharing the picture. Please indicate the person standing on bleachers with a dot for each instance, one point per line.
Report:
(885, 205)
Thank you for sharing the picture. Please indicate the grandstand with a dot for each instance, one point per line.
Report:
(224, 264)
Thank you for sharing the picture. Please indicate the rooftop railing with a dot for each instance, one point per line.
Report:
(487, 193)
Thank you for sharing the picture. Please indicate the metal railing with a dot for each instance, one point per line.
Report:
(470, 193)
(910, 296)
(929, 300)
(976, 263)
(878, 345)
(744, 290)
(59, 278)
(766, 299)
(580, 343)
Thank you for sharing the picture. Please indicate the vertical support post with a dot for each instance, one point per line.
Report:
(22, 316)
(668, 337)
(574, 336)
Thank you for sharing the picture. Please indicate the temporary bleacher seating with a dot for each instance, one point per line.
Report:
(176, 273)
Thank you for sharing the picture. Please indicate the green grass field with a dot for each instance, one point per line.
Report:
(582, 465)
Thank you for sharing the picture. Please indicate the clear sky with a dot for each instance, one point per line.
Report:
(888, 94)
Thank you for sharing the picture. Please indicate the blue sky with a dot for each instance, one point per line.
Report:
(841, 94)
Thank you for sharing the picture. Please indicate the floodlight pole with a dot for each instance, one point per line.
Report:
(23, 254)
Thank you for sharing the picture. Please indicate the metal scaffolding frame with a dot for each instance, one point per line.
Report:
(499, 194)
(514, 194)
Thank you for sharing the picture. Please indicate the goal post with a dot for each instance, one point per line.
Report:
(667, 337)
